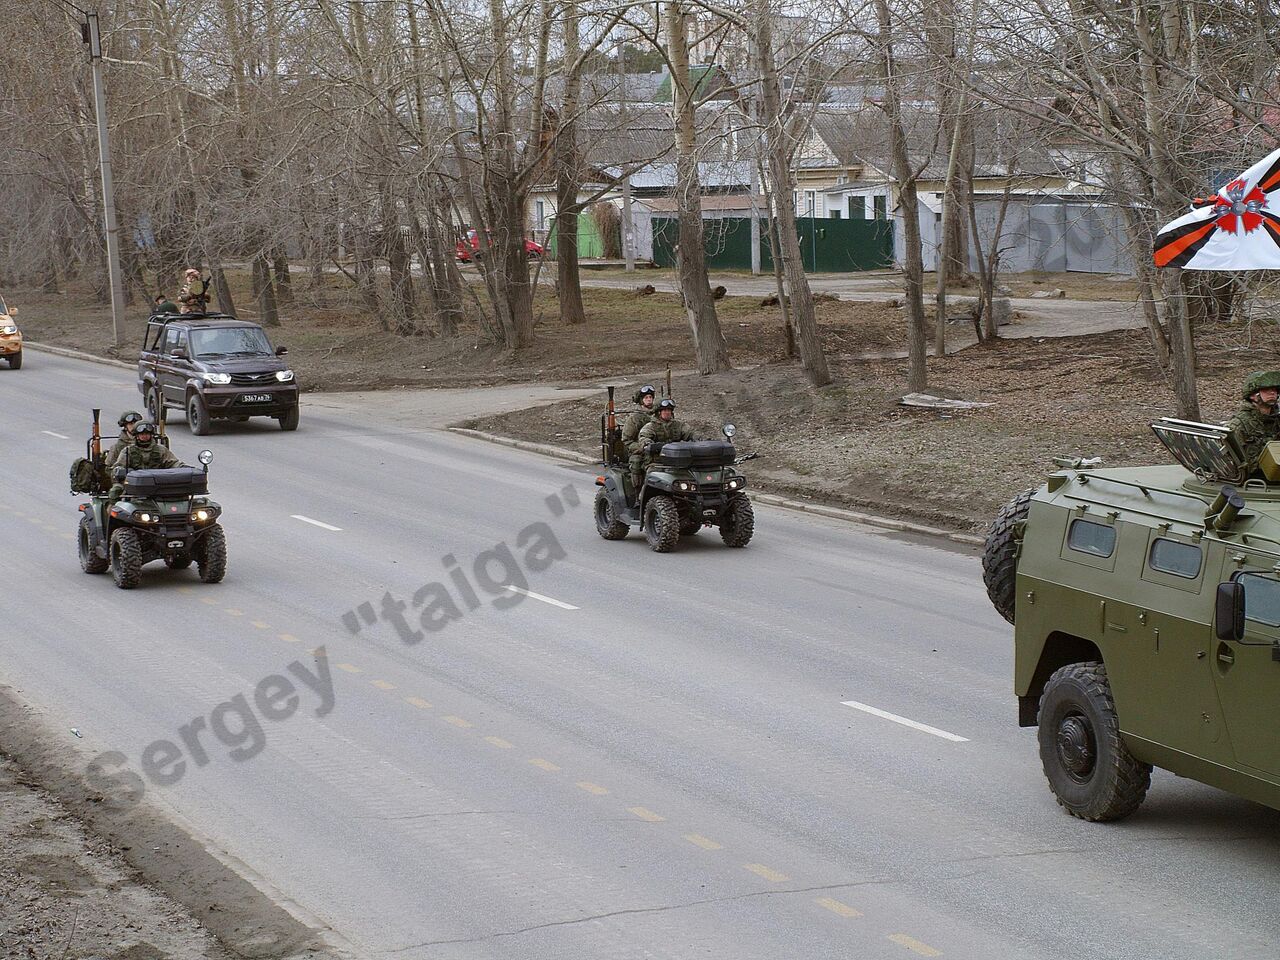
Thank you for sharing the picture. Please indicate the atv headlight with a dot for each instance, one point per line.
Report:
(284, 376)
(201, 515)
(734, 484)
(684, 485)
(8, 329)
(222, 378)
(144, 518)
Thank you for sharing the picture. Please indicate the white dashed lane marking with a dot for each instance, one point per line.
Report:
(537, 596)
(913, 724)
(316, 523)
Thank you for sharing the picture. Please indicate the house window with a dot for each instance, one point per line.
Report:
(881, 206)
(834, 214)
(857, 208)
(540, 212)
(810, 203)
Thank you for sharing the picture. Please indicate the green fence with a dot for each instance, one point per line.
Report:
(590, 243)
(826, 246)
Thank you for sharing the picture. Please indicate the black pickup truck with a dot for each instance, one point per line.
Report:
(215, 367)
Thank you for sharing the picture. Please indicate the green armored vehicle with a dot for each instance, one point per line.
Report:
(1146, 612)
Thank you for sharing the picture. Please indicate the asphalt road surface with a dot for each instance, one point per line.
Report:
(638, 756)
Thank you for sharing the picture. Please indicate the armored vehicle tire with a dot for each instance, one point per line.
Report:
(1000, 553)
(1090, 770)
(211, 555)
(15, 360)
(739, 521)
(661, 524)
(607, 523)
(289, 421)
(90, 562)
(197, 415)
(177, 563)
(126, 558)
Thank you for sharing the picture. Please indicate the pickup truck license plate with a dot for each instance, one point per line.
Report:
(256, 398)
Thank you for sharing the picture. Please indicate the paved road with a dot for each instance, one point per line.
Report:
(649, 758)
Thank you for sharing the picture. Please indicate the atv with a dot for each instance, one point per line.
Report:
(689, 485)
(161, 515)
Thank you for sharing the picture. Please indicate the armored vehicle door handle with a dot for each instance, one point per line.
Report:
(1118, 628)
(1225, 655)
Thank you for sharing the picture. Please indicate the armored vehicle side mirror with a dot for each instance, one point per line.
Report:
(13, 311)
(1228, 614)
(281, 351)
(178, 353)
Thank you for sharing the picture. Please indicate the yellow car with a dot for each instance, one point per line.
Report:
(10, 336)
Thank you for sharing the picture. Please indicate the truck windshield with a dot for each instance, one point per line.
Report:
(230, 342)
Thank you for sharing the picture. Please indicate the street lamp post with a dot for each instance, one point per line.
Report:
(92, 36)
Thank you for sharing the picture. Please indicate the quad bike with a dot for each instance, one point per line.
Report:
(160, 515)
(688, 486)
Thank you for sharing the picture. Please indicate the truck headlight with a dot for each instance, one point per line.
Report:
(222, 378)
(8, 329)
(284, 376)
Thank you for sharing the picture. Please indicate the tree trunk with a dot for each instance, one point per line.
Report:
(268, 315)
(804, 321)
(284, 280)
(709, 345)
(568, 282)
(1182, 345)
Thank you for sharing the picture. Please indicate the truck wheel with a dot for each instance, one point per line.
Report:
(1089, 769)
(15, 360)
(607, 523)
(661, 524)
(211, 555)
(739, 521)
(289, 421)
(90, 562)
(1000, 553)
(197, 415)
(153, 404)
(126, 558)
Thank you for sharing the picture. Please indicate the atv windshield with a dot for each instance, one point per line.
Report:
(230, 342)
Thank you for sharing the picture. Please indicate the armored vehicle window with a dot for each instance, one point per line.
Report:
(1180, 559)
(1096, 539)
(1261, 599)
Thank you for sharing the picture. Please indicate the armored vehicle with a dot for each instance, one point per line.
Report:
(215, 367)
(1146, 611)
(688, 486)
(157, 515)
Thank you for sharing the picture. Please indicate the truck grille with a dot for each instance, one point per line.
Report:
(253, 379)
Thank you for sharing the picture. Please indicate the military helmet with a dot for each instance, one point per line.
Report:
(666, 403)
(146, 426)
(1260, 380)
(128, 417)
(646, 389)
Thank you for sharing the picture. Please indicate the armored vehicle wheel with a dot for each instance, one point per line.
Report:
(1089, 769)
(211, 555)
(15, 360)
(661, 524)
(126, 558)
(197, 415)
(289, 421)
(690, 526)
(177, 563)
(90, 562)
(1000, 553)
(607, 523)
(739, 521)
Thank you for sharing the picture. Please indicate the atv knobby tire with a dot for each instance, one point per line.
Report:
(126, 558)
(1089, 768)
(211, 556)
(739, 521)
(607, 523)
(90, 562)
(662, 524)
(1000, 553)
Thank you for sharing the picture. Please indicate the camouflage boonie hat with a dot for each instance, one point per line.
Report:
(1257, 381)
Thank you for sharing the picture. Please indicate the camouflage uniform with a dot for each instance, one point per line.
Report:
(631, 437)
(1251, 427)
(154, 456)
(656, 430)
(117, 448)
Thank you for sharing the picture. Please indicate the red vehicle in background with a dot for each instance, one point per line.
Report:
(471, 245)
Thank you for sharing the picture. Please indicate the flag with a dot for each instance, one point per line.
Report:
(1236, 229)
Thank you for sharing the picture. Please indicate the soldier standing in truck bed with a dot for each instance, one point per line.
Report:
(1258, 419)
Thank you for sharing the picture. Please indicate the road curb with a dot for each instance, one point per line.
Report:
(769, 499)
(77, 355)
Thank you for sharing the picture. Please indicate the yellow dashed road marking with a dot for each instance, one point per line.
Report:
(498, 742)
(418, 702)
(838, 908)
(186, 590)
(457, 721)
(698, 840)
(383, 685)
(36, 520)
(208, 600)
(544, 764)
(760, 870)
(68, 536)
(644, 814)
(319, 652)
(289, 638)
(914, 945)
(349, 668)
(593, 788)
(261, 625)
(233, 612)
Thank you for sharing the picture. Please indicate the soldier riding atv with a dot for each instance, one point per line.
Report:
(681, 487)
(146, 514)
